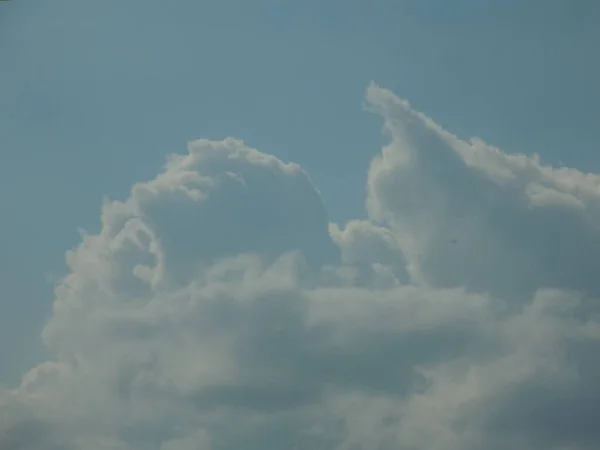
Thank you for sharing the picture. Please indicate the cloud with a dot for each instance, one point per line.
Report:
(218, 309)
(473, 215)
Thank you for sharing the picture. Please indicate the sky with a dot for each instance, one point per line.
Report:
(204, 225)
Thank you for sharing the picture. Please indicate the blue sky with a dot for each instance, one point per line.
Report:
(94, 95)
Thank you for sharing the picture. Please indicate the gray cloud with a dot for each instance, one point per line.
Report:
(218, 309)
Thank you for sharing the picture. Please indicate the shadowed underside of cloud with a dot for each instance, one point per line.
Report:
(218, 309)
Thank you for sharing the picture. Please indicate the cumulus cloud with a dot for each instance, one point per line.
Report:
(473, 215)
(218, 309)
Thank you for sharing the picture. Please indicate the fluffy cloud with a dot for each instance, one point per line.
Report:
(472, 215)
(218, 309)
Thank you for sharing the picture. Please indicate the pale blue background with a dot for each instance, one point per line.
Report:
(94, 94)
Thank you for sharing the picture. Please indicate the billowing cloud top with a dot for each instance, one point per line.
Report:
(218, 309)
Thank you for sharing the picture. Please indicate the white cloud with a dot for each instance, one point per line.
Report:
(467, 214)
(217, 309)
